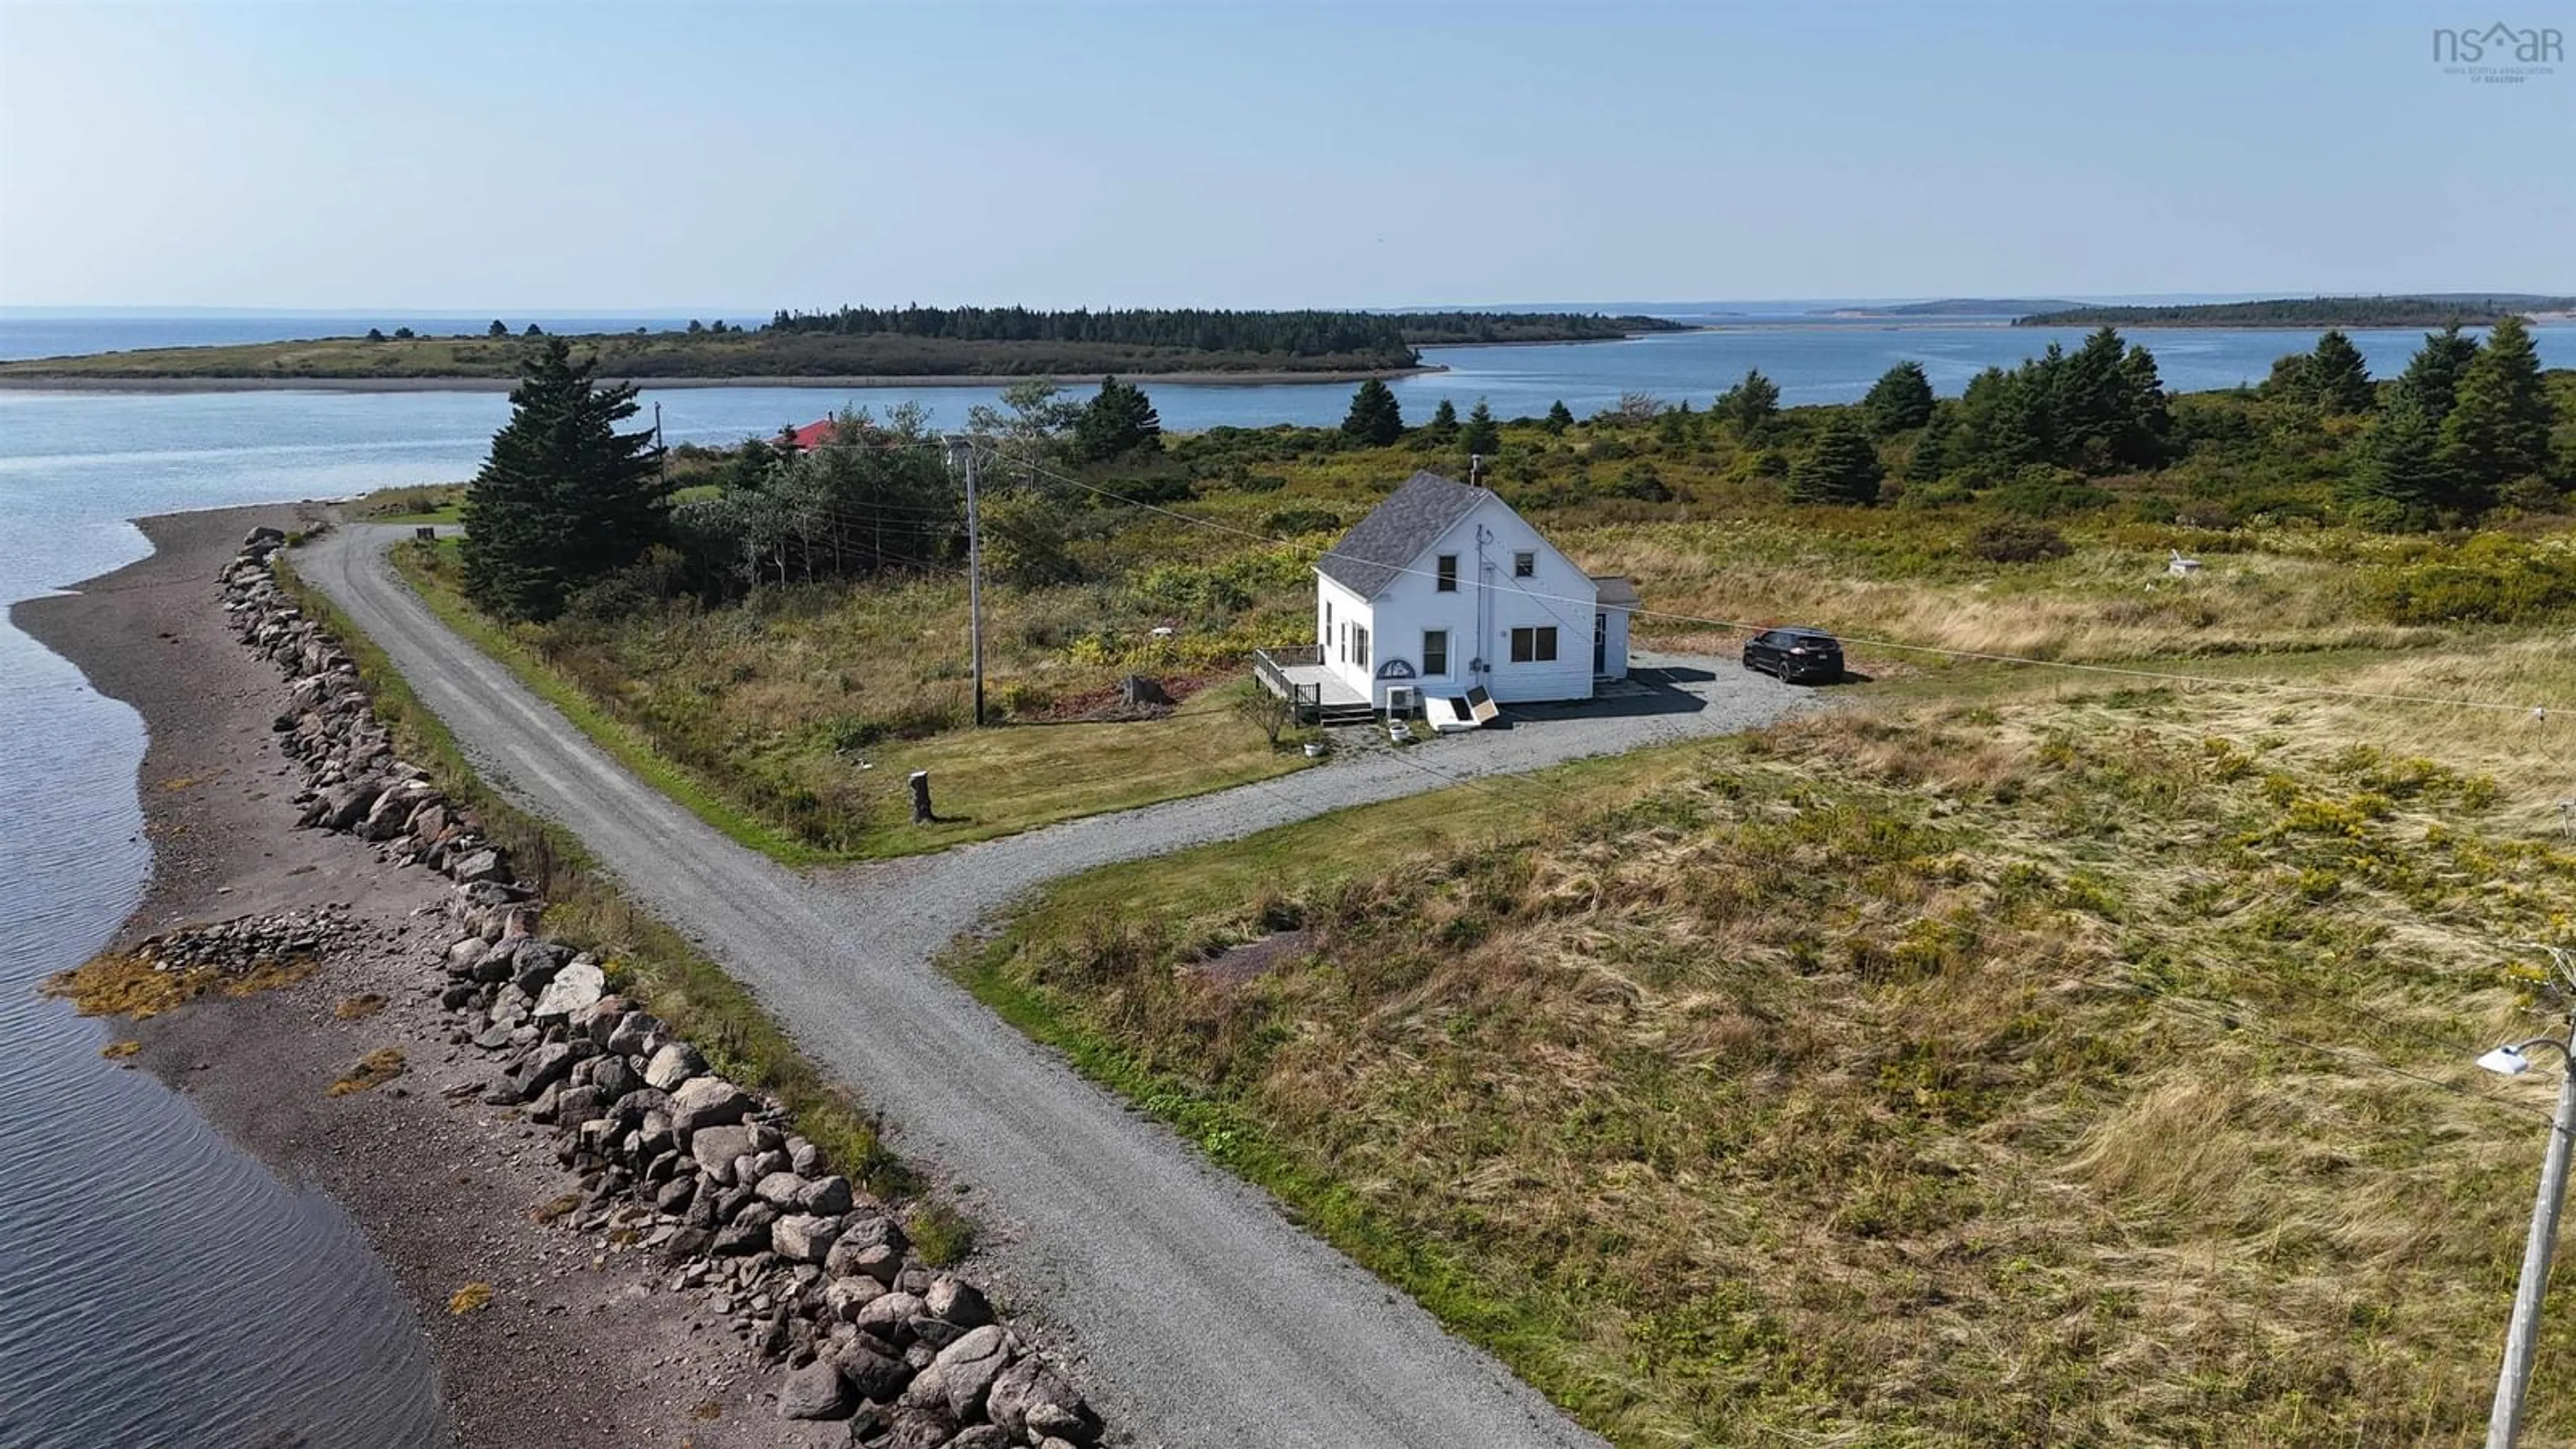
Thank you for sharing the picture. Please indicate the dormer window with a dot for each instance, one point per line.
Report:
(1448, 573)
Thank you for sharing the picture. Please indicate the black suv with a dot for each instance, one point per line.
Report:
(1797, 656)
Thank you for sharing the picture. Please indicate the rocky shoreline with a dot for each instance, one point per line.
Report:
(696, 1190)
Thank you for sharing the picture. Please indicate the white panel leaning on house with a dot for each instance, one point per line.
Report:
(1443, 587)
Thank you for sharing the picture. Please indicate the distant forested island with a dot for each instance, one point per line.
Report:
(855, 342)
(1960, 307)
(2439, 309)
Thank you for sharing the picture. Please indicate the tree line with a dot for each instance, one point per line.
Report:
(2401, 311)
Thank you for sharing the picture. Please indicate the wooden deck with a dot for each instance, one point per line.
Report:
(1297, 673)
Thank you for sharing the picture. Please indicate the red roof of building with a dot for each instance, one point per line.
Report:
(815, 435)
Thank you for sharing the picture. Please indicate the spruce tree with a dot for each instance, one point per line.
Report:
(1840, 467)
(2145, 436)
(1750, 405)
(2498, 426)
(1900, 400)
(1931, 456)
(1559, 418)
(2338, 378)
(2397, 481)
(2432, 375)
(1481, 436)
(1119, 420)
(1376, 418)
(1443, 427)
(563, 498)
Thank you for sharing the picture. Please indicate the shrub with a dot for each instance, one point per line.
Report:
(2491, 579)
(2018, 540)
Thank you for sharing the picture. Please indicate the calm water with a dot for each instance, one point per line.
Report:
(161, 1286)
(158, 1286)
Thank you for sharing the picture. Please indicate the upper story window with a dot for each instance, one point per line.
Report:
(1524, 564)
(1448, 573)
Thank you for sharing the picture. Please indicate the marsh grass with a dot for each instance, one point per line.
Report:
(372, 1071)
(1944, 1073)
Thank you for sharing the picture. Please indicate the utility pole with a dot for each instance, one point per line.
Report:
(661, 453)
(965, 452)
(2522, 1339)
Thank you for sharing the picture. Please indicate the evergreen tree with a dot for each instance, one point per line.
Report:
(1750, 405)
(1481, 436)
(1841, 466)
(1375, 417)
(2337, 375)
(564, 498)
(2432, 375)
(497, 329)
(2498, 426)
(1119, 420)
(1443, 427)
(2396, 480)
(1900, 400)
(1931, 456)
(2145, 437)
(2293, 378)
(1559, 418)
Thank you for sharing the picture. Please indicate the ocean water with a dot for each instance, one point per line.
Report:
(162, 1287)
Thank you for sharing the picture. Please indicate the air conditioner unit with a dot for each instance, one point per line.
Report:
(1400, 700)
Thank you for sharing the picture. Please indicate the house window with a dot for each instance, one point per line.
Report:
(1524, 565)
(1435, 653)
(1534, 646)
(1359, 646)
(1448, 573)
(1344, 644)
(1328, 621)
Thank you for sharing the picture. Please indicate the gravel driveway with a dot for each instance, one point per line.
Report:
(1194, 1312)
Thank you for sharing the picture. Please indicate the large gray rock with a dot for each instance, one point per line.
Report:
(748, 1232)
(672, 1065)
(980, 1436)
(968, 1367)
(1031, 1399)
(816, 1391)
(958, 1302)
(879, 1377)
(828, 1196)
(533, 963)
(465, 955)
(576, 988)
(889, 1318)
(802, 1237)
(780, 1189)
(844, 1297)
(551, 1062)
(487, 863)
(722, 1143)
(705, 1102)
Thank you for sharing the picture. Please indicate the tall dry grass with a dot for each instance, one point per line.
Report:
(2047, 1071)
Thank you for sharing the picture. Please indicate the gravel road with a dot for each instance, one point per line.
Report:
(1197, 1314)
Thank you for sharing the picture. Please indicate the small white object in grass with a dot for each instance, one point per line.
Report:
(1162, 631)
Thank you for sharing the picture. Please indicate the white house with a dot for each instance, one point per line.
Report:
(1443, 588)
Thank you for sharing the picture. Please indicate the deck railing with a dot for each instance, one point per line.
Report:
(1271, 667)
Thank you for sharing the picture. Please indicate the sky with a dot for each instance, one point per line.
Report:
(558, 155)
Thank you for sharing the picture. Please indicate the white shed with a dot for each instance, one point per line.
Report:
(1443, 588)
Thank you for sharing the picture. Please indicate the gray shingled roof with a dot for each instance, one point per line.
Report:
(1384, 544)
(1615, 591)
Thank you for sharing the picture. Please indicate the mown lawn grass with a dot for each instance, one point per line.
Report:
(1941, 1072)
(650, 963)
(779, 736)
